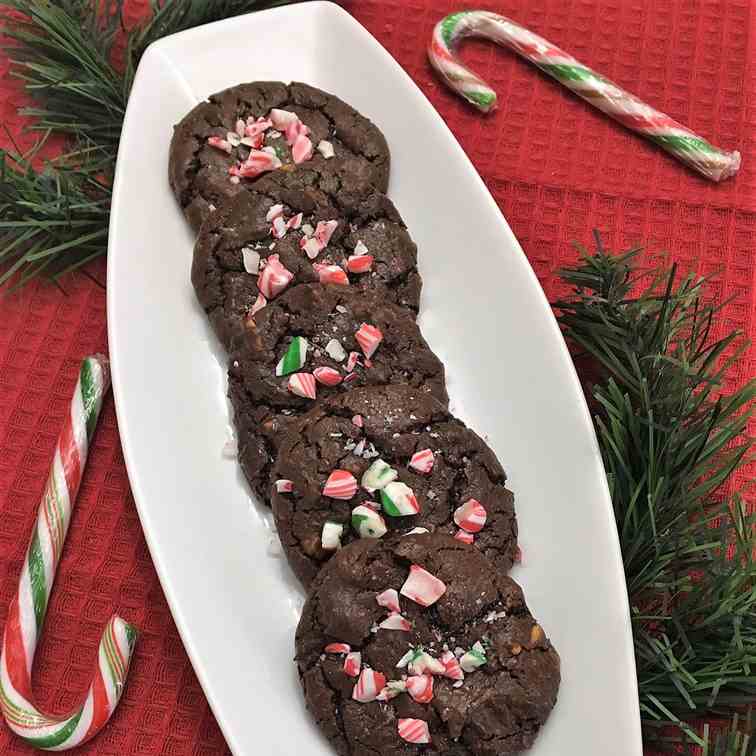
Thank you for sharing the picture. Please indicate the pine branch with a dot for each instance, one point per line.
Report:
(669, 439)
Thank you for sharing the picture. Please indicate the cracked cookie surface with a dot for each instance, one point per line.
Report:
(497, 709)
(264, 405)
(397, 422)
(199, 173)
(227, 290)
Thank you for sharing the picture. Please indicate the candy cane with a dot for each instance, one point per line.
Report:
(678, 140)
(26, 615)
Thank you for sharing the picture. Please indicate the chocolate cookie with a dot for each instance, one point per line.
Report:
(236, 245)
(472, 673)
(314, 329)
(350, 156)
(434, 473)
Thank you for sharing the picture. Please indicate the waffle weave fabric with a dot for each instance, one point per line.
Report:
(557, 169)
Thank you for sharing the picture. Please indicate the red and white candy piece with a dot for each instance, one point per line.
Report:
(359, 263)
(324, 231)
(257, 163)
(330, 538)
(422, 587)
(310, 246)
(337, 648)
(274, 278)
(353, 663)
(369, 685)
(280, 119)
(422, 461)
(398, 500)
(220, 144)
(393, 689)
(471, 516)
(420, 687)
(395, 621)
(327, 376)
(423, 662)
(303, 384)
(259, 303)
(275, 211)
(464, 536)
(341, 484)
(331, 274)
(295, 221)
(284, 486)
(414, 731)
(357, 421)
(278, 228)
(294, 130)
(351, 363)
(390, 599)
(452, 670)
(368, 337)
(367, 522)
(302, 149)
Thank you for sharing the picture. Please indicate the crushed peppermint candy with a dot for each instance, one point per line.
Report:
(279, 228)
(327, 376)
(330, 538)
(494, 615)
(284, 486)
(422, 461)
(331, 274)
(220, 144)
(303, 384)
(399, 500)
(310, 247)
(337, 648)
(414, 731)
(474, 658)
(395, 621)
(324, 231)
(420, 688)
(294, 358)
(360, 249)
(274, 277)
(368, 337)
(390, 599)
(357, 421)
(359, 448)
(378, 475)
(369, 685)
(251, 260)
(276, 211)
(280, 119)
(353, 664)
(335, 350)
(302, 149)
(351, 363)
(422, 587)
(417, 531)
(464, 536)
(471, 516)
(341, 484)
(367, 523)
(393, 689)
(326, 149)
(452, 670)
(295, 221)
(359, 264)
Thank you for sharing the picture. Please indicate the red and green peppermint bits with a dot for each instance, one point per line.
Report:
(414, 731)
(471, 516)
(369, 685)
(393, 689)
(330, 538)
(422, 587)
(294, 358)
(422, 461)
(368, 337)
(474, 658)
(353, 664)
(399, 500)
(341, 484)
(378, 475)
(420, 688)
(367, 523)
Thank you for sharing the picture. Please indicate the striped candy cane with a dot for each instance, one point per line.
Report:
(678, 140)
(26, 614)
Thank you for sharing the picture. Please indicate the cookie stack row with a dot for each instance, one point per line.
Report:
(392, 513)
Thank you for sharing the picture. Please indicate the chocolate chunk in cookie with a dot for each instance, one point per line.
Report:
(407, 460)
(470, 673)
(227, 144)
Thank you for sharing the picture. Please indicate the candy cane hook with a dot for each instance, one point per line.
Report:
(26, 615)
(678, 140)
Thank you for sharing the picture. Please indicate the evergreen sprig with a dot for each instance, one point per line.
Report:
(670, 438)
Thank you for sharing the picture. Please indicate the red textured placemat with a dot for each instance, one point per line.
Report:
(557, 170)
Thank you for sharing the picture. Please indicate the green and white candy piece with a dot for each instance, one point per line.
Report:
(378, 475)
(295, 357)
(398, 500)
(367, 523)
(330, 538)
(474, 658)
